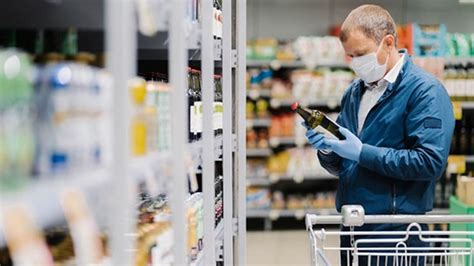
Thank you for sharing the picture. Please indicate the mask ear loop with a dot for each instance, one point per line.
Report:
(378, 50)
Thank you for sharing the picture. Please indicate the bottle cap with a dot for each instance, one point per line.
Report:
(294, 106)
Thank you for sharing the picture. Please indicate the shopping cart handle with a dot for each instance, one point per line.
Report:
(351, 215)
(354, 215)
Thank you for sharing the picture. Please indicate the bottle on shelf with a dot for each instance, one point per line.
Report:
(218, 106)
(139, 124)
(315, 118)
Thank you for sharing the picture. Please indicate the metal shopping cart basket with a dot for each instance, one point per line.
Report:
(390, 247)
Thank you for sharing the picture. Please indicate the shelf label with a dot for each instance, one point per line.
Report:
(275, 64)
(274, 142)
(274, 215)
(300, 214)
(275, 103)
(457, 108)
(456, 164)
(274, 177)
(253, 94)
(298, 177)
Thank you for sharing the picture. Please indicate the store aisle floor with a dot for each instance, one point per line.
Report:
(281, 248)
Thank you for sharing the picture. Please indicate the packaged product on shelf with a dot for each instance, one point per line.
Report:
(262, 108)
(262, 137)
(285, 51)
(16, 124)
(73, 100)
(250, 109)
(258, 198)
(278, 163)
(251, 139)
(139, 130)
(429, 40)
(320, 87)
(281, 89)
(278, 200)
(282, 125)
(84, 230)
(459, 81)
(465, 186)
(314, 50)
(265, 48)
(25, 242)
(256, 168)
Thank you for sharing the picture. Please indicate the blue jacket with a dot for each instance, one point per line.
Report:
(406, 139)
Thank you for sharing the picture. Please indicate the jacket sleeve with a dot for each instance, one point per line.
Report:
(330, 161)
(429, 127)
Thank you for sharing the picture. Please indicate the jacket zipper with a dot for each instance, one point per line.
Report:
(394, 199)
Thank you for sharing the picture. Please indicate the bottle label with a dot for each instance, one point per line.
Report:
(198, 116)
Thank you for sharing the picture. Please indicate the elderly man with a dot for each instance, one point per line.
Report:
(398, 123)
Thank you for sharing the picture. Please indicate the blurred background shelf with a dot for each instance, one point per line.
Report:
(297, 213)
(42, 197)
(276, 64)
(259, 122)
(259, 152)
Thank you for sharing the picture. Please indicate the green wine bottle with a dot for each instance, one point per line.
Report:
(314, 118)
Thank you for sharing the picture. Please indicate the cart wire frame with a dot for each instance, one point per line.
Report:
(443, 247)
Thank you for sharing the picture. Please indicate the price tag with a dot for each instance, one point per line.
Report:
(298, 177)
(332, 104)
(275, 64)
(274, 215)
(457, 108)
(253, 94)
(275, 103)
(274, 178)
(249, 123)
(300, 214)
(274, 142)
(457, 164)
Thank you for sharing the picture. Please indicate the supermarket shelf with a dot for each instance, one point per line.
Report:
(276, 64)
(274, 178)
(258, 93)
(258, 181)
(85, 14)
(278, 141)
(467, 105)
(458, 60)
(156, 48)
(259, 152)
(274, 214)
(286, 103)
(439, 211)
(220, 230)
(259, 122)
(42, 197)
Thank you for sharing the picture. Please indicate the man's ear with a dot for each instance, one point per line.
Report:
(389, 41)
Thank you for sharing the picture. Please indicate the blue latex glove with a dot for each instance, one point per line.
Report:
(350, 148)
(314, 138)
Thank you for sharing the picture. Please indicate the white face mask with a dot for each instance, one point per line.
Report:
(368, 68)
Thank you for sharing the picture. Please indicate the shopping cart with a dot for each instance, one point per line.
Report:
(390, 247)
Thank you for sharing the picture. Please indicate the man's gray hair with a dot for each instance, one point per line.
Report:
(372, 20)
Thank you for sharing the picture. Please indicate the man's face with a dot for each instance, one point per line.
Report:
(357, 44)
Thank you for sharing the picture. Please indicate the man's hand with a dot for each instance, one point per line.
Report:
(350, 148)
(314, 138)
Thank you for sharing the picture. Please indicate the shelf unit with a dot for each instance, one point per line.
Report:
(276, 64)
(112, 188)
(274, 214)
